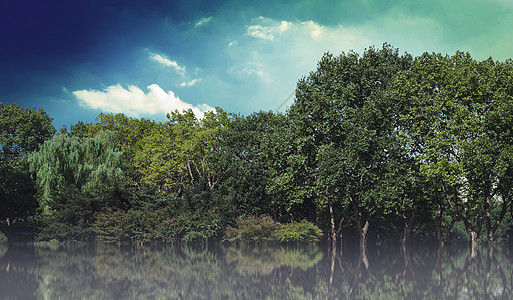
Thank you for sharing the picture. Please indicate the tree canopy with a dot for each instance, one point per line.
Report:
(375, 144)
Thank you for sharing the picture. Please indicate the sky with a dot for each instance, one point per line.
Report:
(75, 59)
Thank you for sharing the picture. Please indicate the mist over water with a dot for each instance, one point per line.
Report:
(105, 271)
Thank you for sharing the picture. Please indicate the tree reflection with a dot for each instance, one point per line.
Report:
(105, 271)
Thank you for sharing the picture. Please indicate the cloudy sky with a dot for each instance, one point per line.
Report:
(75, 59)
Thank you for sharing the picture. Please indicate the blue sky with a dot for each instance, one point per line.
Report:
(75, 59)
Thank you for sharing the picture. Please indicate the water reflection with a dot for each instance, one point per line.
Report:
(253, 272)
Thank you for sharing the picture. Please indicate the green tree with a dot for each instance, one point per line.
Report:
(77, 179)
(342, 120)
(457, 123)
(22, 131)
(244, 159)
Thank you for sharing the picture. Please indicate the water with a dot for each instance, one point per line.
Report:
(253, 272)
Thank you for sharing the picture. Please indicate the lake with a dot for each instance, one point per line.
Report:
(104, 271)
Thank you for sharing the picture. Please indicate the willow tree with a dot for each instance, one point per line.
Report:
(76, 179)
(342, 120)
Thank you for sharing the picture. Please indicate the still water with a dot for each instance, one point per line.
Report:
(254, 272)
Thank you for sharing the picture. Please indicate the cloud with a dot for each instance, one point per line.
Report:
(135, 102)
(266, 28)
(202, 22)
(167, 62)
(295, 50)
(273, 54)
(189, 83)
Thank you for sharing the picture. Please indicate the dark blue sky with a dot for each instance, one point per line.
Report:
(143, 58)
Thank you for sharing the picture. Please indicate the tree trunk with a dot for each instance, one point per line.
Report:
(363, 235)
(438, 221)
(362, 230)
(491, 227)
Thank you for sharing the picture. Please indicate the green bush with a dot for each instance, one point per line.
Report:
(3, 238)
(111, 226)
(187, 227)
(252, 228)
(303, 231)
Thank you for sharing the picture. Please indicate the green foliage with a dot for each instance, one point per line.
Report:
(188, 227)
(244, 160)
(64, 163)
(413, 144)
(345, 131)
(455, 121)
(76, 179)
(22, 131)
(111, 226)
(253, 228)
(303, 231)
(72, 217)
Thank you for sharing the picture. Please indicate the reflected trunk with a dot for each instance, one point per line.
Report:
(439, 271)
(474, 239)
(332, 268)
(363, 244)
(407, 232)
(332, 223)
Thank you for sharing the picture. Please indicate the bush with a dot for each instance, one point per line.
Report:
(111, 226)
(187, 227)
(303, 231)
(3, 238)
(262, 228)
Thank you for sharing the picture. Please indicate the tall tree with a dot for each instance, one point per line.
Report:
(22, 131)
(460, 131)
(342, 120)
(243, 161)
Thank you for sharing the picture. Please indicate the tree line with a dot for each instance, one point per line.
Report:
(378, 144)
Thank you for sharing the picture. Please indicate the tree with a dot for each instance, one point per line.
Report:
(342, 120)
(23, 130)
(457, 123)
(75, 180)
(243, 163)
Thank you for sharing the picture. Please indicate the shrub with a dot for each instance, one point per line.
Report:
(189, 227)
(303, 231)
(111, 226)
(252, 228)
(145, 225)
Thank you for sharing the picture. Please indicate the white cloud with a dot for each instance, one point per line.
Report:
(167, 62)
(135, 102)
(275, 53)
(202, 22)
(266, 29)
(189, 83)
(295, 50)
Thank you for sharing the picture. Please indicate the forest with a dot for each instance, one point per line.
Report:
(380, 145)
